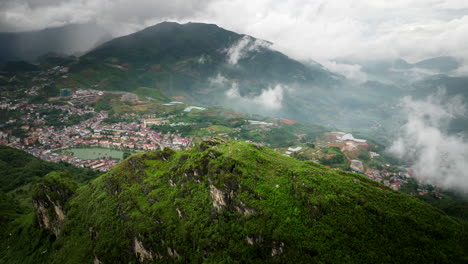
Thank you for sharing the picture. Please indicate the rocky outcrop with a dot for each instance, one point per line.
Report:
(244, 209)
(49, 214)
(252, 240)
(42, 214)
(172, 253)
(141, 252)
(49, 199)
(219, 198)
(277, 249)
(96, 260)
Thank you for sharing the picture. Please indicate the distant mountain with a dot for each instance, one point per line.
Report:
(227, 202)
(391, 80)
(68, 39)
(399, 71)
(442, 64)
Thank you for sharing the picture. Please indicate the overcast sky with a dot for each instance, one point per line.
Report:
(303, 29)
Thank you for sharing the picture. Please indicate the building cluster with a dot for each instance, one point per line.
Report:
(47, 142)
(346, 141)
(36, 114)
(85, 96)
(391, 179)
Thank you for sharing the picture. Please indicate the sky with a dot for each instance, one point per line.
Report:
(319, 30)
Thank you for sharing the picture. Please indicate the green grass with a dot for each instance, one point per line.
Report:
(151, 92)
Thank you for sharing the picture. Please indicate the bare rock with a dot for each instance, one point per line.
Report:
(219, 198)
(141, 252)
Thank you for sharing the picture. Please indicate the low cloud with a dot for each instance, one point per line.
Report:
(270, 98)
(350, 71)
(415, 74)
(438, 158)
(219, 79)
(462, 70)
(244, 47)
(202, 59)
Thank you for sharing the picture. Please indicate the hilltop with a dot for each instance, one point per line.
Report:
(232, 202)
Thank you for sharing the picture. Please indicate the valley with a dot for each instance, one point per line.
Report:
(128, 122)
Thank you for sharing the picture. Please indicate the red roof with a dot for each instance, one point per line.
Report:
(289, 122)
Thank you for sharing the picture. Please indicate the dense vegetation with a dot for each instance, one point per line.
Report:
(19, 171)
(231, 202)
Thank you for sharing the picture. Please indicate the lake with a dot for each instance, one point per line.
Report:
(94, 153)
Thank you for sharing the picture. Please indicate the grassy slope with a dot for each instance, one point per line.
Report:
(19, 172)
(303, 210)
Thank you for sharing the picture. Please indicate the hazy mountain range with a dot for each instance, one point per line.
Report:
(70, 39)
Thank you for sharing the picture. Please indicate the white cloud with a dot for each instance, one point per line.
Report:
(462, 71)
(415, 74)
(439, 158)
(120, 16)
(233, 92)
(350, 71)
(202, 59)
(270, 98)
(326, 30)
(243, 47)
(218, 80)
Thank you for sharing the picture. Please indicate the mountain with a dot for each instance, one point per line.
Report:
(180, 47)
(68, 39)
(228, 202)
(205, 64)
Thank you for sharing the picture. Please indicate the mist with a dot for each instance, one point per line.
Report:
(270, 98)
(437, 157)
(72, 39)
(243, 47)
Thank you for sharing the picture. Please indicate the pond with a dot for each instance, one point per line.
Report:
(94, 153)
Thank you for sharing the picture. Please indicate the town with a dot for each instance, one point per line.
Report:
(47, 142)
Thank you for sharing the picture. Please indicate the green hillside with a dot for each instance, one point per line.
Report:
(229, 202)
(19, 171)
